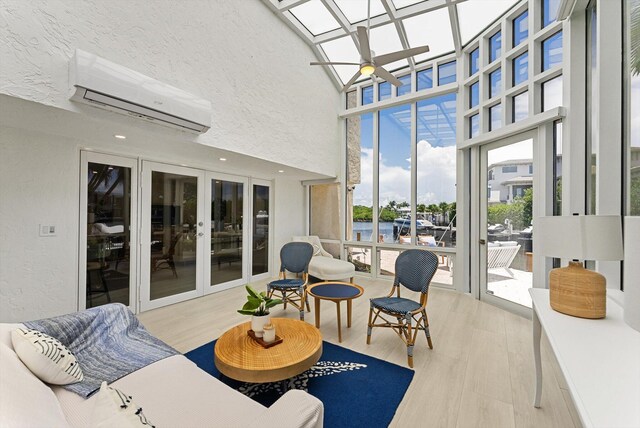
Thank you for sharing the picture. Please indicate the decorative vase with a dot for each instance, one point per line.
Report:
(258, 322)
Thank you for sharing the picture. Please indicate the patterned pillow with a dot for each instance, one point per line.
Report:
(114, 408)
(316, 250)
(46, 357)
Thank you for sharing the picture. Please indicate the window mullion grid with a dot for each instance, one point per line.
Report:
(414, 171)
(376, 193)
(533, 55)
(506, 35)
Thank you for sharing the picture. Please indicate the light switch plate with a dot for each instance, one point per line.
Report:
(47, 230)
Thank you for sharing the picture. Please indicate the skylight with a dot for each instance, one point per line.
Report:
(476, 15)
(315, 17)
(329, 26)
(385, 40)
(432, 29)
(356, 11)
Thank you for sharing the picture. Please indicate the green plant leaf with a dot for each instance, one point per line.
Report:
(251, 305)
(273, 303)
(253, 293)
(245, 312)
(263, 294)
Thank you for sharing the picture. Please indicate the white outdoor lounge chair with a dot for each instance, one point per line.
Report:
(500, 255)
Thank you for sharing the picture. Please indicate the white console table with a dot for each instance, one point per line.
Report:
(600, 360)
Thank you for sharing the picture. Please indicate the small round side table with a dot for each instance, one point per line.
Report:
(335, 291)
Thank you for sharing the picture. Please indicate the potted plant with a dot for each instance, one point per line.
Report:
(258, 305)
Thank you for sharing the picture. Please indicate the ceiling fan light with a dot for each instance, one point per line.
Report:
(367, 70)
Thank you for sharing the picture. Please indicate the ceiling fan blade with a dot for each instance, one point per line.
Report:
(351, 82)
(363, 39)
(333, 63)
(381, 72)
(395, 56)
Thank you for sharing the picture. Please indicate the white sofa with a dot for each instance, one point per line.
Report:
(172, 392)
(323, 265)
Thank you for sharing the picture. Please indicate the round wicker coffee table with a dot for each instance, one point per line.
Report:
(239, 357)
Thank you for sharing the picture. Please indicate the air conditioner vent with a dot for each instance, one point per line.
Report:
(104, 84)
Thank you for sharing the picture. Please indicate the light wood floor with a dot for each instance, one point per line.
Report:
(479, 373)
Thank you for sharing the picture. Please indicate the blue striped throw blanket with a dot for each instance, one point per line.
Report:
(108, 341)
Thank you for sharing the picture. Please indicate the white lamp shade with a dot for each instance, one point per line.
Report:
(591, 237)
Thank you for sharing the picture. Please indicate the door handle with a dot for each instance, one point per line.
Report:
(483, 242)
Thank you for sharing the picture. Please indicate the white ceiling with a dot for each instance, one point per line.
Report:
(329, 26)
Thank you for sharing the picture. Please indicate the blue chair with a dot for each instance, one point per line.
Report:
(414, 270)
(295, 258)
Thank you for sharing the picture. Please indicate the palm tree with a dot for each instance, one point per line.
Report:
(444, 210)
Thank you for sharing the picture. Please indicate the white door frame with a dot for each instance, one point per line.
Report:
(145, 266)
(85, 158)
(539, 202)
(269, 273)
(246, 216)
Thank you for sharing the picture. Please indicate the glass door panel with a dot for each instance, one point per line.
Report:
(260, 238)
(506, 229)
(108, 268)
(227, 231)
(173, 213)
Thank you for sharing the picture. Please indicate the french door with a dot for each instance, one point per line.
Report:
(172, 234)
(167, 233)
(226, 231)
(508, 197)
(108, 223)
(261, 230)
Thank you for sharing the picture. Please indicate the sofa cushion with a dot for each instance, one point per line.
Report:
(172, 392)
(24, 400)
(114, 408)
(46, 357)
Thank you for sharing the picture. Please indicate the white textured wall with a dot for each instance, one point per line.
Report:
(267, 101)
(39, 184)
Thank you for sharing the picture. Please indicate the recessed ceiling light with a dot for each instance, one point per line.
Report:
(223, 159)
(120, 136)
(280, 170)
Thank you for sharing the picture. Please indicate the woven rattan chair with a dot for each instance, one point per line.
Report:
(295, 258)
(414, 270)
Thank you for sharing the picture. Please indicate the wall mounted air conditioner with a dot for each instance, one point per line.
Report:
(102, 83)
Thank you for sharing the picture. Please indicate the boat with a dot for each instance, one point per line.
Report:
(402, 224)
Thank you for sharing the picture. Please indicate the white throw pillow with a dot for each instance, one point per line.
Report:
(46, 357)
(114, 408)
(316, 250)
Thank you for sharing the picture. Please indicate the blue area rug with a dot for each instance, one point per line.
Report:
(357, 390)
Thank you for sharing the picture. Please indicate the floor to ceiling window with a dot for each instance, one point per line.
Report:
(436, 171)
(394, 175)
(402, 170)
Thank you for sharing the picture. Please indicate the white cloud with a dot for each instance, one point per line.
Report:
(436, 177)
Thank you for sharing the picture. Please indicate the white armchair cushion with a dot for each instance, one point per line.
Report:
(317, 245)
(330, 269)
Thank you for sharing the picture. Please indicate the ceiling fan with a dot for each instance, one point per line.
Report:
(369, 63)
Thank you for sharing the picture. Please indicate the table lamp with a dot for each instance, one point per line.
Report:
(574, 290)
